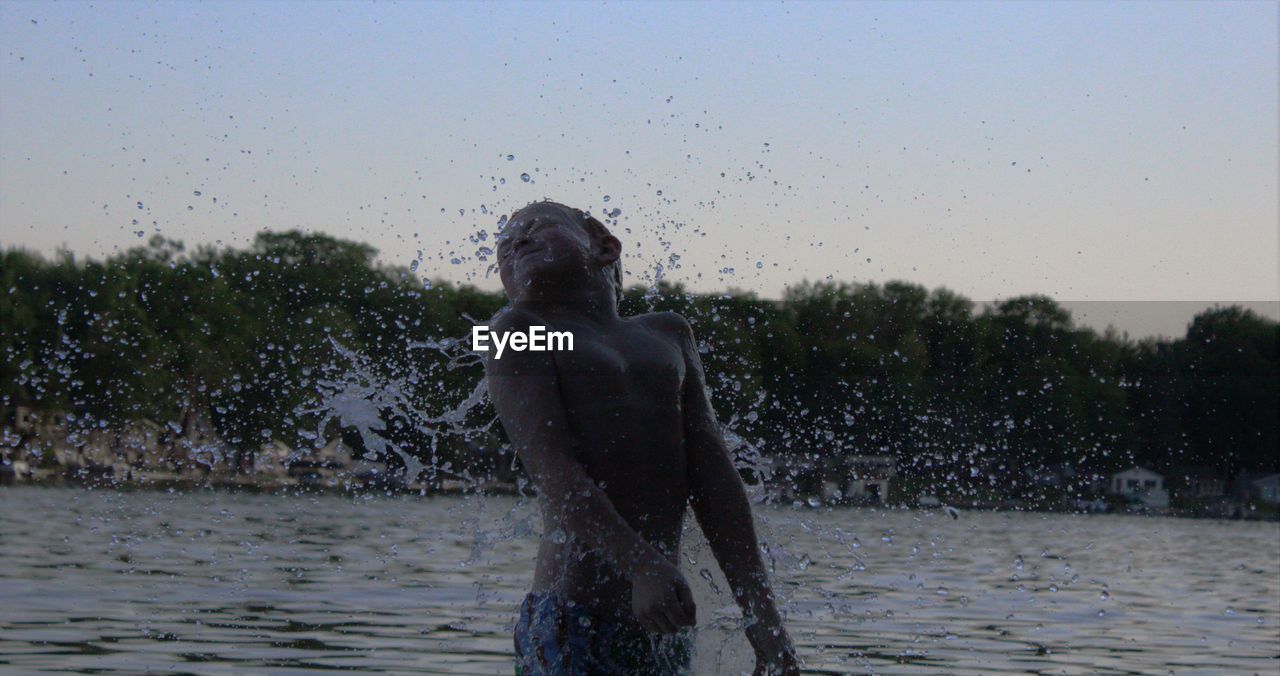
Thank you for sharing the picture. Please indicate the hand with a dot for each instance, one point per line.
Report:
(774, 652)
(660, 597)
(781, 664)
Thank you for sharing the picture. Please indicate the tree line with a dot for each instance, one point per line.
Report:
(978, 397)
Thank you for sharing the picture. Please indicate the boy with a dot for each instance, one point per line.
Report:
(619, 435)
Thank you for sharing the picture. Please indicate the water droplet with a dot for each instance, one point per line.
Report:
(615, 213)
(759, 264)
(558, 536)
(606, 198)
(524, 177)
(511, 158)
(706, 575)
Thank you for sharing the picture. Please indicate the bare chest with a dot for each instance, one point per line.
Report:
(622, 370)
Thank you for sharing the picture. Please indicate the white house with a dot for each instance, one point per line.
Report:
(1140, 484)
(335, 453)
(273, 459)
(869, 477)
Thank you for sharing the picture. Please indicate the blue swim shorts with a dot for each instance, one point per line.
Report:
(557, 636)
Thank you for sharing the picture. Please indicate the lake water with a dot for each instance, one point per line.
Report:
(224, 581)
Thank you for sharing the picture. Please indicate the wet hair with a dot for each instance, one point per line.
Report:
(594, 229)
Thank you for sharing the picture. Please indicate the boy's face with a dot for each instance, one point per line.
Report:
(542, 243)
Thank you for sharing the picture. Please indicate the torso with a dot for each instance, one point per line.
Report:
(621, 387)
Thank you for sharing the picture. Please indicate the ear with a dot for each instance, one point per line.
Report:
(608, 249)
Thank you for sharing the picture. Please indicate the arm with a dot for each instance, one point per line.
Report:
(525, 390)
(721, 507)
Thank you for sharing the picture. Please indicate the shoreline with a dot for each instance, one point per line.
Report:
(292, 487)
(163, 481)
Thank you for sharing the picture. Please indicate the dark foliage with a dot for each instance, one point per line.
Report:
(985, 400)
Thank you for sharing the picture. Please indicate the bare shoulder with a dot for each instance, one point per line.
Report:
(514, 319)
(517, 362)
(671, 324)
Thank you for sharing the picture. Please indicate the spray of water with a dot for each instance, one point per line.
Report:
(362, 398)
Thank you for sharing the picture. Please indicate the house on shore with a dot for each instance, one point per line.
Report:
(1140, 485)
(336, 452)
(272, 460)
(320, 465)
(1266, 489)
(868, 478)
(1199, 482)
(835, 479)
(41, 435)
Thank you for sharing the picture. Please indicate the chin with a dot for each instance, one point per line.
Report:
(538, 269)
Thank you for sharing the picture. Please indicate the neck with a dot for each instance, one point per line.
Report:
(592, 301)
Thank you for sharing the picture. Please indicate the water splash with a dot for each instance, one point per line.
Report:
(362, 398)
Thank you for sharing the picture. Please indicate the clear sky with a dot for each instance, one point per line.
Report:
(1091, 151)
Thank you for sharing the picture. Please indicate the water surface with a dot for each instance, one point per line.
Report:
(223, 581)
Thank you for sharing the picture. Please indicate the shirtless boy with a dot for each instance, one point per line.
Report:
(619, 436)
